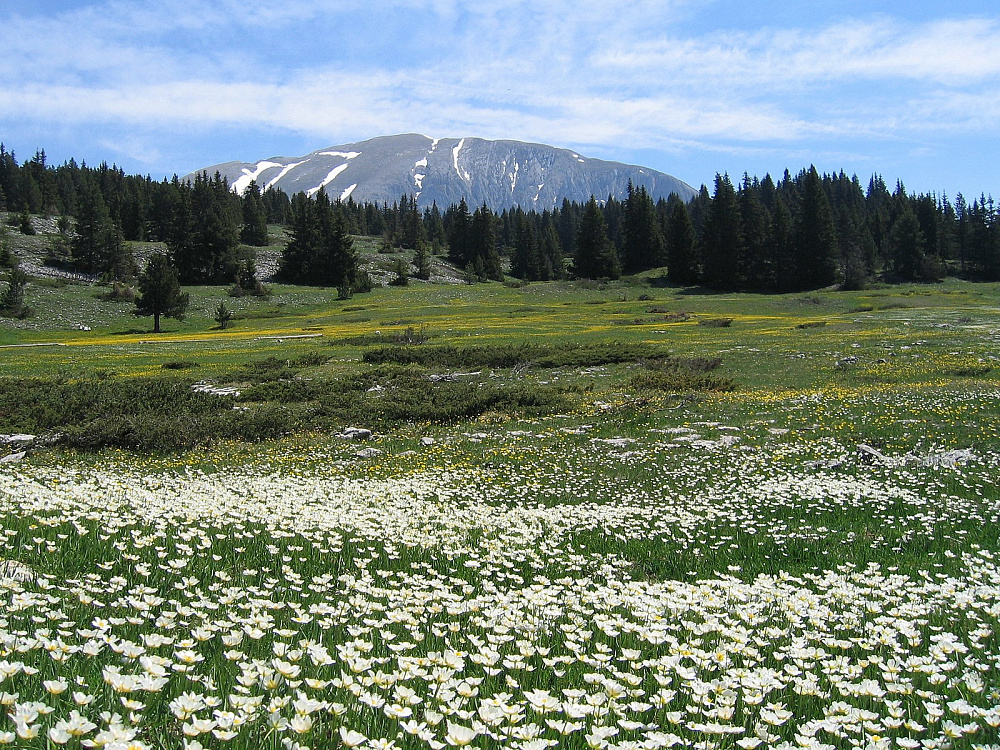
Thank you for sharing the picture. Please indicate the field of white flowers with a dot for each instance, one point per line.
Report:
(687, 585)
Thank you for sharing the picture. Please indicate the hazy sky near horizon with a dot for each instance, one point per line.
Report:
(906, 88)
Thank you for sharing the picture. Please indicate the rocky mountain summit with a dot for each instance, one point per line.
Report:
(500, 174)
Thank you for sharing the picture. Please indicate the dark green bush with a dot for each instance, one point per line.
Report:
(512, 355)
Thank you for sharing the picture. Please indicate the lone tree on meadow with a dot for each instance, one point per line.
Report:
(160, 292)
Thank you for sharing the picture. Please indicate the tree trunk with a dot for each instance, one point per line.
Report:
(156, 322)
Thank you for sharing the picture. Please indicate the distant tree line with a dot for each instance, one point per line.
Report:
(799, 232)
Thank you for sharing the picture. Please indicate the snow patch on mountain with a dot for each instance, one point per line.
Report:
(344, 154)
(249, 176)
(347, 192)
(287, 168)
(454, 155)
(334, 173)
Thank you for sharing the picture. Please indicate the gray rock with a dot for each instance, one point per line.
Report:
(368, 453)
(13, 458)
(356, 433)
(427, 441)
(18, 439)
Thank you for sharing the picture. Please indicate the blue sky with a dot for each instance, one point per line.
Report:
(910, 90)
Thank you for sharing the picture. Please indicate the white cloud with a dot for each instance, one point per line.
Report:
(583, 73)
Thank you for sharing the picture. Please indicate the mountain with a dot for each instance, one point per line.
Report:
(500, 174)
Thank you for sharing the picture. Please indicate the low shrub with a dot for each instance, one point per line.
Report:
(513, 355)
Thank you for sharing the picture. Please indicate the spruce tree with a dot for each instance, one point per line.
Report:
(906, 242)
(595, 255)
(160, 292)
(12, 300)
(815, 237)
(722, 238)
(460, 235)
(642, 241)
(484, 245)
(758, 267)
(254, 230)
(682, 256)
(552, 253)
(526, 258)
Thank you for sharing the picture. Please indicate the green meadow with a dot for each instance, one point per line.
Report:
(590, 515)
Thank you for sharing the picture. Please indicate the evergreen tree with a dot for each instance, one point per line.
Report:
(526, 260)
(722, 238)
(12, 300)
(551, 251)
(483, 245)
(815, 237)
(682, 256)
(642, 241)
(758, 267)
(223, 315)
(160, 292)
(254, 230)
(97, 247)
(460, 236)
(422, 261)
(782, 249)
(206, 239)
(567, 226)
(321, 251)
(595, 255)
(906, 242)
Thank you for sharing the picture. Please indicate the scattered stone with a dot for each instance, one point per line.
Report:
(356, 433)
(203, 386)
(18, 439)
(871, 455)
(777, 430)
(368, 453)
(452, 376)
(618, 442)
(947, 458)
(845, 361)
(13, 458)
(688, 438)
(427, 441)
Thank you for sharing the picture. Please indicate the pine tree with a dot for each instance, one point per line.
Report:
(782, 247)
(98, 247)
(206, 239)
(254, 230)
(12, 300)
(526, 258)
(757, 269)
(160, 292)
(906, 242)
(484, 245)
(642, 241)
(422, 261)
(551, 251)
(815, 237)
(722, 238)
(595, 255)
(459, 235)
(682, 256)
